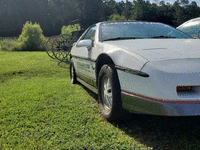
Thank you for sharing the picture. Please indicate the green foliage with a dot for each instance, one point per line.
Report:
(8, 44)
(31, 38)
(59, 12)
(68, 29)
(116, 17)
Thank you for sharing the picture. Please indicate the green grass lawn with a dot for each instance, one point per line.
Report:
(40, 109)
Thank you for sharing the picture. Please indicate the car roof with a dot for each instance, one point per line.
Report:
(141, 22)
(130, 21)
(195, 19)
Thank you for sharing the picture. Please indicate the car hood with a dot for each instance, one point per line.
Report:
(159, 49)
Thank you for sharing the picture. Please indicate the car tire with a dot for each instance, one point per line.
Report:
(109, 92)
(72, 74)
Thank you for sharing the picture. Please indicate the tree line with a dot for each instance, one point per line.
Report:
(52, 15)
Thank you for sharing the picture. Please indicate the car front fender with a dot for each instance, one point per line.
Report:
(127, 59)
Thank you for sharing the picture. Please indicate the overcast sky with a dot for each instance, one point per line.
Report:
(171, 1)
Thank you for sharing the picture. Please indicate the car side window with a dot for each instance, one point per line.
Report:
(90, 34)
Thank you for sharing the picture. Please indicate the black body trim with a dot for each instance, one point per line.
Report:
(136, 72)
(86, 78)
(92, 88)
(83, 58)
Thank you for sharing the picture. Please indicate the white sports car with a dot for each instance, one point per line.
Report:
(140, 67)
(191, 27)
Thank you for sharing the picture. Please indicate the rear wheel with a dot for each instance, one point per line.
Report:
(73, 74)
(110, 93)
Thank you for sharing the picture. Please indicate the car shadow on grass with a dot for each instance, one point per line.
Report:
(161, 132)
(92, 94)
(61, 63)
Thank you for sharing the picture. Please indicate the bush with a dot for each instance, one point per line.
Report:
(68, 29)
(8, 43)
(31, 38)
(116, 17)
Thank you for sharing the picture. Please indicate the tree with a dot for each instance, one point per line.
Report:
(127, 9)
(92, 12)
(15, 13)
(68, 29)
(192, 11)
(62, 12)
(110, 7)
(140, 10)
(179, 14)
(116, 17)
(165, 13)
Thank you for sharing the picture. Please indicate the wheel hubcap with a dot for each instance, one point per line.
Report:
(107, 92)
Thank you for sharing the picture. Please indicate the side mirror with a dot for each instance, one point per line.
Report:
(88, 43)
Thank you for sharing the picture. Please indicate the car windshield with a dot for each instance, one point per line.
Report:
(138, 30)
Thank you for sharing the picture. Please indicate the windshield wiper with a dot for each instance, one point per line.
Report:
(162, 37)
(121, 38)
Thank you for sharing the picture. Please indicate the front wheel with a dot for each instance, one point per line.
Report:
(110, 93)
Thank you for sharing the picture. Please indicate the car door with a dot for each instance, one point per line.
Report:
(81, 57)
